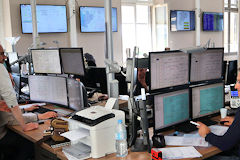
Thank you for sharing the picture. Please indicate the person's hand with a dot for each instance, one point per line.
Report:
(47, 115)
(30, 126)
(4, 107)
(229, 120)
(203, 130)
(33, 107)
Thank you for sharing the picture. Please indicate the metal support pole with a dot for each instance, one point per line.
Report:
(36, 38)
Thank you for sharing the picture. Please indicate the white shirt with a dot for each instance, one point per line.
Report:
(7, 92)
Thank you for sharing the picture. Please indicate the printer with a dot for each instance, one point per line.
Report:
(100, 122)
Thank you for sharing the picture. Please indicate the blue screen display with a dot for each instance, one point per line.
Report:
(92, 19)
(182, 20)
(212, 21)
(49, 18)
(234, 93)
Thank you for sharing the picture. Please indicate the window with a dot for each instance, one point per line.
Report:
(230, 26)
(136, 28)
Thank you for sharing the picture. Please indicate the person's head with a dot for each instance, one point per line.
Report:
(237, 85)
(90, 59)
(2, 55)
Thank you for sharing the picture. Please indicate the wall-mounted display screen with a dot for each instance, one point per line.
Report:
(50, 18)
(92, 19)
(212, 21)
(182, 20)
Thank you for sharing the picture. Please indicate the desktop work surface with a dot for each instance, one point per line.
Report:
(37, 135)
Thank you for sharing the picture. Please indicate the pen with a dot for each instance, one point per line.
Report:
(195, 123)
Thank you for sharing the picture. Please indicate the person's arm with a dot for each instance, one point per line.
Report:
(229, 139)
(16, 111)
(8, 94)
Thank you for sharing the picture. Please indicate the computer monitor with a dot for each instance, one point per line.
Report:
(46, 61)
(207, 100)
(48, 89)
(171, 109)
(182, 20)
(13, 56)
(167, 69)
(230, 71)
(206, 65)
(72, 61)
(76, 98)
(50, 18)
(212, 21)
(92, 19)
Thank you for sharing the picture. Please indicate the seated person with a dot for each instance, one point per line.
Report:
(230, 141)
(90, 59)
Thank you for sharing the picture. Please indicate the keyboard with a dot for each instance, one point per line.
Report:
(188, 127)
(42, 110)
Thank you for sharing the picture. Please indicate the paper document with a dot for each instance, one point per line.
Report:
(179, 152)
(77, 151)
(30, 105)
(185, 141)
(110, 103)
(76, 134)
(218, 130)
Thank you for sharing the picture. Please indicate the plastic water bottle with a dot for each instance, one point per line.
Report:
(121, 140)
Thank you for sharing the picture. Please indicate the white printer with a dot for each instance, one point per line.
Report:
(101, 123)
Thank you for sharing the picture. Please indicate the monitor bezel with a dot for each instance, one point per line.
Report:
(43, 5)
(95, 7)
(48, 49)
(173, 126)
(165, 89)
(60, 56)
(182, 30)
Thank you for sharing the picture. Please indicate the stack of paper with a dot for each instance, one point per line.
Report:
(179, 152)
(77, 151)
(185, 141)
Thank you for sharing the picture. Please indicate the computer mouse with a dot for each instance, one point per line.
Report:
(222, 122)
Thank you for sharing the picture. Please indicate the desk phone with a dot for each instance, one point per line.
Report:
(234, 99)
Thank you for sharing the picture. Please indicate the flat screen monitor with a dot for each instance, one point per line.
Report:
(13, 56)
(75, 95)
(207, 100)
(50, 18)
(206, 65)
(72, 61)
(48, 89)
(167, 69)
(212, 21)
(46, 61)
(171, 109)
(182, 20)
(92, 19)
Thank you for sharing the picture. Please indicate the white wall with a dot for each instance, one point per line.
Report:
(183, 39)
(92, 43)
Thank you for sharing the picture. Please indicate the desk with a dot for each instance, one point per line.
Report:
(36, 135)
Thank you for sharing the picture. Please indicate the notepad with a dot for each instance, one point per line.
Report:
(179, 152)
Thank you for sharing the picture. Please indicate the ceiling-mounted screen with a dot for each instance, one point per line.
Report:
(50, 18)
(182, 20)
(92, 19)
(212, 21)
